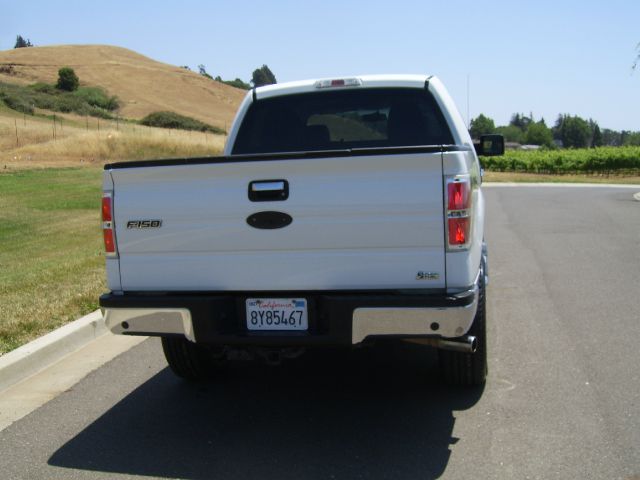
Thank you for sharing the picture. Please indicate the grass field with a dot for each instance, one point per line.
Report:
(51, 257)
(37, 142)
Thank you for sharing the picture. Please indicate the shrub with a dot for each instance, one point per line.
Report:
(97, 97)
(174, 120)
(69, 103)
(99, 113)
(16, 102)
(44, 88)
(85, 101)
(237, 83)
(67, 79)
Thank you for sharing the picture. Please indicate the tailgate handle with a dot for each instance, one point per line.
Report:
(268, 190)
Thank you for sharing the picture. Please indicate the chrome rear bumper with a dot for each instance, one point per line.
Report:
(151, 321)
(335, 318)
(444, 322)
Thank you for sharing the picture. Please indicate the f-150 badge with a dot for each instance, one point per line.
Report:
(427, 276)
(144, 223)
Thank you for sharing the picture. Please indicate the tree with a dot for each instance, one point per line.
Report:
(203, 71)
(521, 121)
(67, 79)
(539, 134)
(632, 138)
(22, 43)
(597, 140)
(611, 138)
(481, 125)
(574, 131)
(263, 76)
(511, 133)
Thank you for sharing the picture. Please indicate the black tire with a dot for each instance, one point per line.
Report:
(469, 369)
(186, 359)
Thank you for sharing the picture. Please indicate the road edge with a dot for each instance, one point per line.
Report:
(42, 352)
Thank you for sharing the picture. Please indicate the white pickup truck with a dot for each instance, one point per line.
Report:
(342, 211)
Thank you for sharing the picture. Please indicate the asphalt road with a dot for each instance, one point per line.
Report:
(562, 399)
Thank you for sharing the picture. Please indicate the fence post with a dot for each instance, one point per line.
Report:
(17, 139)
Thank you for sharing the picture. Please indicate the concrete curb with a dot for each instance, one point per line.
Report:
(29, 359)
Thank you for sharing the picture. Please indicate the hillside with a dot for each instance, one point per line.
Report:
(143, 85)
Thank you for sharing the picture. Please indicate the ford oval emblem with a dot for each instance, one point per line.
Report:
(269, 220)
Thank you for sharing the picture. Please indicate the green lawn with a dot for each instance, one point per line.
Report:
(51, 263)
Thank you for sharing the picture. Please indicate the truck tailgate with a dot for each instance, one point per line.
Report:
(359, 222)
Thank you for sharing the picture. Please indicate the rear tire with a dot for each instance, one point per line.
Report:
(186, 359)
(469, 369)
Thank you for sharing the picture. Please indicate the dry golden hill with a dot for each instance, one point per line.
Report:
(143, 85)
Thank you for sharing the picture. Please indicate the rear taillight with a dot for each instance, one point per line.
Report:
(458, 212)
(106, 208)
(107, 225)
(459, 195)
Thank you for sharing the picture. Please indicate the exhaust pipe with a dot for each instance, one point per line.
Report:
(466, 344)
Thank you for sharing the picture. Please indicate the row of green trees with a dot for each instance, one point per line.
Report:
(569, 131)
(260, 77)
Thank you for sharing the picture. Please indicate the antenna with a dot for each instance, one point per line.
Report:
(468, 117)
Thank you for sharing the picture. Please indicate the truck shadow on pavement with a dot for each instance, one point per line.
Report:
(372, 413)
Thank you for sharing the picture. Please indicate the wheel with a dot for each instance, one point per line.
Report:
(469, 369)
(186, 359)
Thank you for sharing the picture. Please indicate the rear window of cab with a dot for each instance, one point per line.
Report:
(342, 119)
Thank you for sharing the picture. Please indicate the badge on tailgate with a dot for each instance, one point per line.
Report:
(144, 224)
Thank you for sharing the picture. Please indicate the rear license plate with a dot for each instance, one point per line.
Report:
(277, 314)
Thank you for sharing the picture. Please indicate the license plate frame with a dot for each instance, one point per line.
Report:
(277, 314)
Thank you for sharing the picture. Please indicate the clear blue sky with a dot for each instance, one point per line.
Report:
(544, 57)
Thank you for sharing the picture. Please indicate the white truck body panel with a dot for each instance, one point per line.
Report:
(362, 222)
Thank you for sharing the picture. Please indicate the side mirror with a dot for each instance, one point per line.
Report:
(490, 145)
